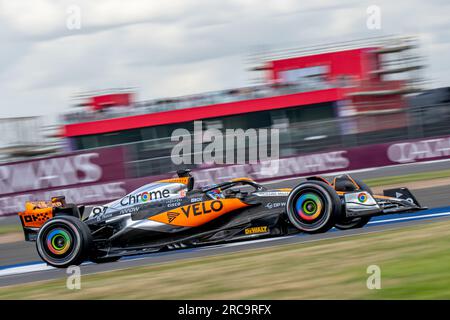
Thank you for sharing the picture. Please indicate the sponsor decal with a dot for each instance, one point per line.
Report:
(105, 216)
(62, 171)
(196, 199)
(425, 149)
(173, 204)
(196, 214)
(172, 216)
(292, 166)
(362, 197)
(202, 208)
(255, 230)
(37, 217)
(145, 196)
(182, 180)
(49, 173)
(35, 220)
(271, 205)
(130, 210)
(99, 193)
(174, 200)
(272, 194)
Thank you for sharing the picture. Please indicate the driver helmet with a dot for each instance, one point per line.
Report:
(216, 194)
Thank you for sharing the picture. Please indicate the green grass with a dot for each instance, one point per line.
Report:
(10, 228)
(414, 264)
(375, 182)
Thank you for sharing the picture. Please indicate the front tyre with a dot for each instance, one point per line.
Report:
(63, 241)
(313, 207)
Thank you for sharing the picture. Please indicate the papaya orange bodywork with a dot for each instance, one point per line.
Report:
(36, 213)
(197, 214)
(183, 180)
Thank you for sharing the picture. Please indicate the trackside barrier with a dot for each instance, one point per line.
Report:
(99, 176)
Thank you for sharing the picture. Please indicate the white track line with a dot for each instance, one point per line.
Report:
(412, 218)
(25, 269)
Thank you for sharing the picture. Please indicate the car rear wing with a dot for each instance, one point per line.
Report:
(36, 213)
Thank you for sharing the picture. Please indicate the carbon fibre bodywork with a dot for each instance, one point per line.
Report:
(191, 219)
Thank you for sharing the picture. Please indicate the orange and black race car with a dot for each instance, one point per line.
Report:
(171, 214)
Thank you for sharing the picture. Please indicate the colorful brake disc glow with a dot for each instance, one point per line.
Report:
(362, 197)
(58, 241)
(309, 206)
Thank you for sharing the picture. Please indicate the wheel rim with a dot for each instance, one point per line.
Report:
(58, 241)
(309, 206)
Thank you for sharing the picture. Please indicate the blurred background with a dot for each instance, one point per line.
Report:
(343, 106)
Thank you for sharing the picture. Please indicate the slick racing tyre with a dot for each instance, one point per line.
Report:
(313, 207)
(64, 241)
(358, 222)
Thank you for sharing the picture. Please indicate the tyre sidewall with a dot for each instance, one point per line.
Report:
(333, 206)
(81, 236)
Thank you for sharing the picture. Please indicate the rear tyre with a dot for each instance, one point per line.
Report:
(64, 241)
(313, 207)
(358, 222)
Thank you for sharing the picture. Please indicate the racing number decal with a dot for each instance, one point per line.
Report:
(99, 210)
(196, 214)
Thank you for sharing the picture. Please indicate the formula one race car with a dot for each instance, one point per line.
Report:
(170, 214)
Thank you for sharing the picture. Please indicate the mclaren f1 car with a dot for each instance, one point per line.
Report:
(170, 214)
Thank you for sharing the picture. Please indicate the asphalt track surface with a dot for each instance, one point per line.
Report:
(19, 262)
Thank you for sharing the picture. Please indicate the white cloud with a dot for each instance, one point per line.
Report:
(32, 18)
(179, 46)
